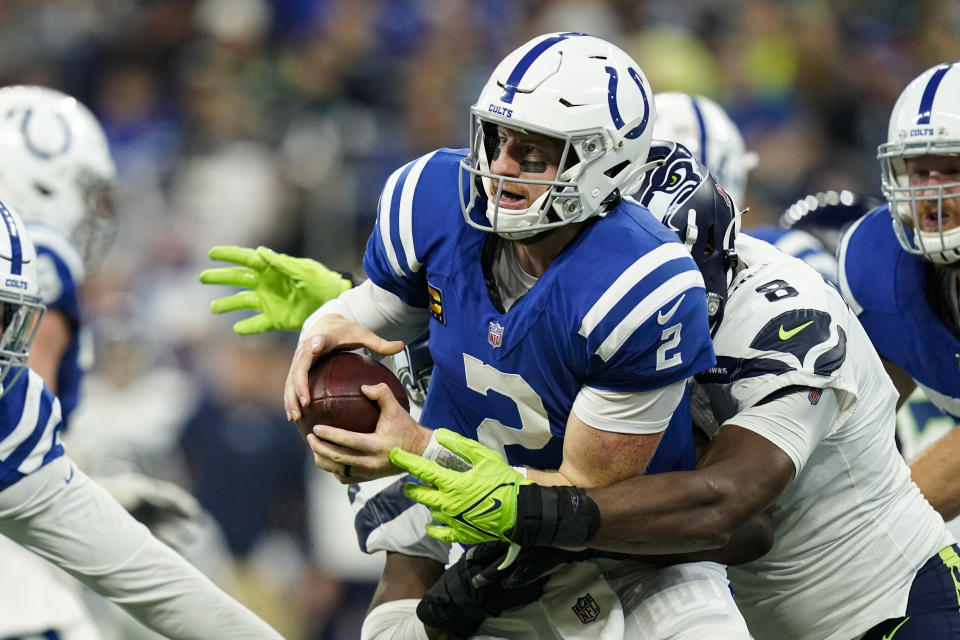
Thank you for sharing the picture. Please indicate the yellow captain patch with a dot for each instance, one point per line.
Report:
(436, 303)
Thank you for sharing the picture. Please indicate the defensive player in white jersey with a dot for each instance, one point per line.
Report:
(52, 508)
(810, 229)
(803, 418)
(564, 355)
(901, 278)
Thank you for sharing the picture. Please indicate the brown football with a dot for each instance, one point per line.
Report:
(336, 400)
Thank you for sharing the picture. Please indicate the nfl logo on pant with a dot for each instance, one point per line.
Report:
(495, 334)
(586, 609)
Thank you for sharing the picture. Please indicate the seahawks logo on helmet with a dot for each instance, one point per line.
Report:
(671, 182)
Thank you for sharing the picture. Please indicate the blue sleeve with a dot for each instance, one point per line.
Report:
(418, 210)
(657, 334)
(58, 285)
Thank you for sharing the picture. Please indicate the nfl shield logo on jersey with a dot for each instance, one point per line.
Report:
(495, 335)
(586, 609)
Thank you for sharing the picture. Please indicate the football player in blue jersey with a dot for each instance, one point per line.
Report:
(801, 415)
(52, 508)
(57, 171)
(810, 229)
(898, 265)
(564, 319)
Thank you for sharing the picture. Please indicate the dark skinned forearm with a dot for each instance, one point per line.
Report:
(684, 512)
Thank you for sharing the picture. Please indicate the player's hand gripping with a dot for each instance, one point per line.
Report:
(356, 457)
(467, 506)
(326, 334)
(285, 290)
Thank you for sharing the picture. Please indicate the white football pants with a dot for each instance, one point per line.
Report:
(60, 514)
(627, 600)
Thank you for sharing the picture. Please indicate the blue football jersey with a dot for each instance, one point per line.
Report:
(61, 276)
(799, 244)
(886, 287)
(30, 425)
(621, 308)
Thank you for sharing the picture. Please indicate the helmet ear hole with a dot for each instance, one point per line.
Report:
(708, 246)
(615, 170)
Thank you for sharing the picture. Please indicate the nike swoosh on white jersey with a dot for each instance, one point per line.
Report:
(664, 318)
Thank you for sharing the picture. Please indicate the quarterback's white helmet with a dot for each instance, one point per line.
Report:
(581, 91)
(21, 306)
(703, 127)
(925, 121)
(55, 166)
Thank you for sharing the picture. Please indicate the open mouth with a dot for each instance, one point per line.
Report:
(510, 199)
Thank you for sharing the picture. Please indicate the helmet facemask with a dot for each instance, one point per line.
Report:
(95, 232)
(19, 321)
(941, 246)
(561, 204)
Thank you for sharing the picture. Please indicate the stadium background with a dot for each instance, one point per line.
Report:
(276, 122)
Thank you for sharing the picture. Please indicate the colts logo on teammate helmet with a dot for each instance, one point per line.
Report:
(495, 335)
(586, 609)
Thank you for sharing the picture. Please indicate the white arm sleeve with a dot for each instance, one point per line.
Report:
(640, 412)
(394, 620)
(793, 423)
(376, 309)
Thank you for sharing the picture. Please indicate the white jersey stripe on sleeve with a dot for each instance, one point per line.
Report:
(406, 212)
(386, 202)
(842, 268)
(47, 441)
(28, 419)
(660, 296)
(627, 281)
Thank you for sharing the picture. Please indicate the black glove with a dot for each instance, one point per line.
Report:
(473, 588)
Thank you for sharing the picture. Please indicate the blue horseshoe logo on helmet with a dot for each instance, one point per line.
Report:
(615, 110)
(40, 153)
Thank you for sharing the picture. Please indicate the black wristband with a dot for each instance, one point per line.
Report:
(554, 517)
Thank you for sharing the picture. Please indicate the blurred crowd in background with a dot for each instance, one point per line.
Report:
(276, 122)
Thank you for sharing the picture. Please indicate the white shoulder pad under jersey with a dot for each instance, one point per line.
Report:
(783, 326)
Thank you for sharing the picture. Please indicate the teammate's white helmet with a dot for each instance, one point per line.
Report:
(55, 166)
(703, 127)
(582, 91)
(20, 303)
(925, 121)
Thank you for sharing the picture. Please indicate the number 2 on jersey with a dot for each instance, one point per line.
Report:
(534, 431)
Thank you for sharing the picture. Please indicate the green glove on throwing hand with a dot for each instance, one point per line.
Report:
(467, 506)
(285, 290)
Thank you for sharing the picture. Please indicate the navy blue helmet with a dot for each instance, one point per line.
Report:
(707, 223)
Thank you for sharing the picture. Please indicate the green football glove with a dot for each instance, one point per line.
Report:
(467, 506)
(285, 290)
